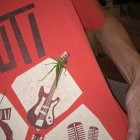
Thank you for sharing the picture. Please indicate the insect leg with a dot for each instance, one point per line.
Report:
(3, 96)
(65, 71)
(47, 73)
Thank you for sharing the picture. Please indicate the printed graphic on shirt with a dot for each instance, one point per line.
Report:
(9, 63)
(12, 126)
(45, 117)
(40, 98)
(36, 136)
(76, 131)
(93, 133)
(82, 124)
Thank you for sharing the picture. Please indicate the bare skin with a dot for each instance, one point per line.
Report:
(118, 46)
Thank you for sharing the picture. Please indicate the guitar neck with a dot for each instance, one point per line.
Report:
(51, 93)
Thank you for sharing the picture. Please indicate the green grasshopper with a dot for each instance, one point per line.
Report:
(59, 65)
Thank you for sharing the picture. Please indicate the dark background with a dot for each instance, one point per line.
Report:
(102, 2)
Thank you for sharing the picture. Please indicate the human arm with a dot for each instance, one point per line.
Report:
(118, 46)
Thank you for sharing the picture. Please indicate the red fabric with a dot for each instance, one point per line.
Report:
(89, 13)
(60, 30)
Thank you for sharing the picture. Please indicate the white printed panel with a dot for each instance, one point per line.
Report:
(82, 124)
(28, 84)
(11, 122)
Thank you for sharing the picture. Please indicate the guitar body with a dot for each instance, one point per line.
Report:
(39, 116)
(50, 116)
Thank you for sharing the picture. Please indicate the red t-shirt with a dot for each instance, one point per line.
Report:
(33, 35)
(90, 14)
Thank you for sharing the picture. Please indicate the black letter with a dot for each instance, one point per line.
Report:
(36, 35)
(21, 43)
(12, 63)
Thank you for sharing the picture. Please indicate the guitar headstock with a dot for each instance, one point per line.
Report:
(36, 137)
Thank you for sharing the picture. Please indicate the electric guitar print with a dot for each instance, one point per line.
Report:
(41, 115)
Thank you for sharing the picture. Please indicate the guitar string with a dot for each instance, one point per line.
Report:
(47, 102)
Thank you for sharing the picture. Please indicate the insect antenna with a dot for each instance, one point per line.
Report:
(3, 96)
(50, 63)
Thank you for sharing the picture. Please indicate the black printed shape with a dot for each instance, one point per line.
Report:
(12, 63)
(36, 35)
(21, 43)
(16, 12)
